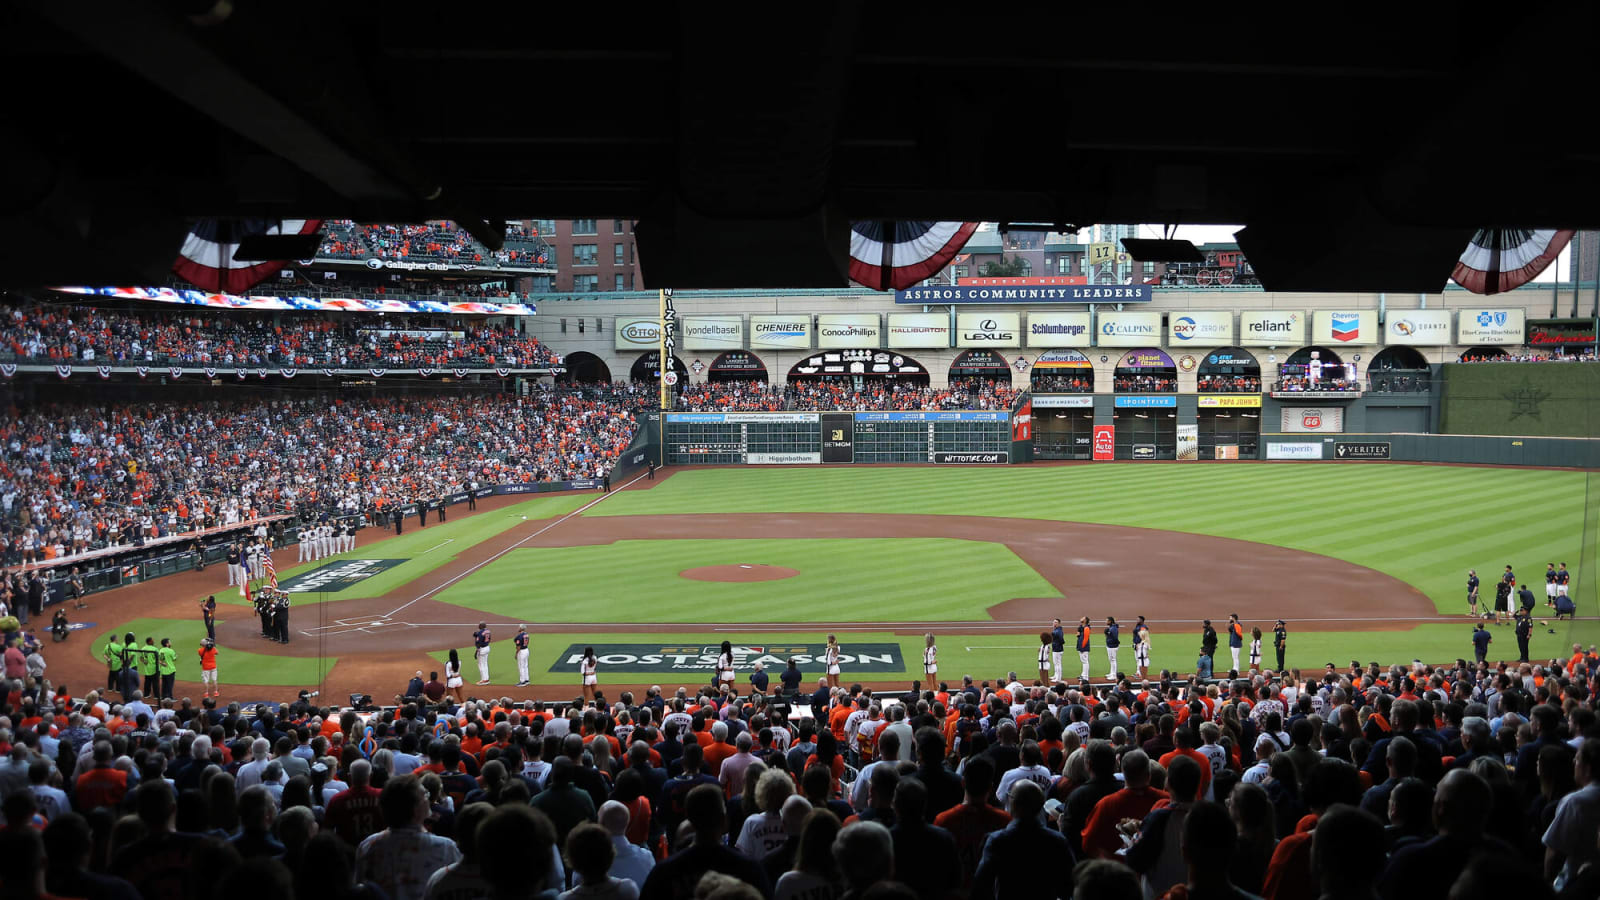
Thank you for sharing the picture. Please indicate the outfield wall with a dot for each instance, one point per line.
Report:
(1435, 448)
(1542, 399)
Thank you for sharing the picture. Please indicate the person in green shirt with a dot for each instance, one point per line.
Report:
(147, 667)
(128, 661)
(112, 654)
(167, 667)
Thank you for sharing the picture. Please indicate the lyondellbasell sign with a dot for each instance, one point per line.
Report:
(702, 658)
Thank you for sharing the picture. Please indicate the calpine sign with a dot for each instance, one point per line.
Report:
(702, 658)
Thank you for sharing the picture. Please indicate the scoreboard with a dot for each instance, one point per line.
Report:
(811, 438)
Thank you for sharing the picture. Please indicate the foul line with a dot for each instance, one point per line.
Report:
(437, 546)
(491, 559)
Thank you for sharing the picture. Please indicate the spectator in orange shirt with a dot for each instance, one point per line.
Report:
(1185, 738)
(974, 819)
(1120, 813)
(1330, 782)
(718, 750)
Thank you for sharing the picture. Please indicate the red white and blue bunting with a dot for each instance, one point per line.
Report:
(64, 371)
(206, 258)
(105, 371)
(889, 256)
(1504, 259)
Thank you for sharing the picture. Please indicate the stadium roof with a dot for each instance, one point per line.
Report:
(1361, 151)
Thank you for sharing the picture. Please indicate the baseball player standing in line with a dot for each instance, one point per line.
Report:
(1083, 647)
(1235, 638)
(235, 570)
(327, 540)
(349, 537)
(304, 540)
(522, 655)
(480, 641)
(1113, 641)
(930, 659)
(1549, 584)
(1563, 578)
(1058, 643)
(1141, 647)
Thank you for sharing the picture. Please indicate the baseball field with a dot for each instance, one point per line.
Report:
(1364, 561)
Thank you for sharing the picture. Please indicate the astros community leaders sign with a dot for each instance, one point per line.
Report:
(1065, 293)
(680, 657)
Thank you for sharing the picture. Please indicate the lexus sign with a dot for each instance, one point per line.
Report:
(989, 329)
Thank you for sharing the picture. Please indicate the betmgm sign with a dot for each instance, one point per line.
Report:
(774, 658)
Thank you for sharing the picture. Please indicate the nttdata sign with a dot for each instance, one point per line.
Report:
(780, 332)
(1271, 328)
(712, 332)
(336, 576)
(988, 330)
(841, 331)
(1060, 329)
(1200, 329)
(1127, 329)
(1478, 327)
(638, 332)
(913, 330)
(774, 658)
(1417, 327)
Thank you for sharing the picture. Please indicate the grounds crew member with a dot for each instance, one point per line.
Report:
(112, 654)
(167, 667)
(149, 666)
(129, 674)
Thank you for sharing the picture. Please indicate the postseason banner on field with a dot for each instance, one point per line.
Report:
(336, 576)
(680, 657)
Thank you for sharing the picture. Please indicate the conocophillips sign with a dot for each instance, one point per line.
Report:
(780, 332)
(1271, 328)
(638, 333)
(849, 331)
(988, 330)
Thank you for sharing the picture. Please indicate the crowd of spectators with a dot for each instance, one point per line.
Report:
(972, 393)
(1063, 384)
(1406, 783)
(79, 477)
(61, 333)
(1144, 384)
(430, 242)
(1293, 383)
(1585, 356)
(1229, 384)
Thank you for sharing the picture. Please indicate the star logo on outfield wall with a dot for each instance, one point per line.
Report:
(1525, 400)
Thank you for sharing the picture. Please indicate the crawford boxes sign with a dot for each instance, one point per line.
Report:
(681, 657)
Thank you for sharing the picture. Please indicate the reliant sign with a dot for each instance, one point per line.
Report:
(988, 330)
(1127, 329)
(702, 658)
(1271, 328)
(638, 333)
(1067, 293)
(780, 332)
(1417, 327)
(1200, 329)
(1067, 329)
(1479, 327)
(712, 332)
(913, 330)
(1331, 327)
(835, 331)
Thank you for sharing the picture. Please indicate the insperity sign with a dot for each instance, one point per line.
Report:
(691, 658)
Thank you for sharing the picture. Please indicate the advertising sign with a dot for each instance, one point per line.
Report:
(1271, 328)
(712, 332)
(1060, 329)
(1188, 442)
(1227, 361)
(1276, 450)
(1417, 327)
(1556, 332)
(835, 331)
(1226, 451)
(1104, 442)
(1064, 293)
(1063, 401)
(1145, 358)
(1364, 450)
(997, 280)
(1476, 327)
(1022, 423)
(680, 657)
(1062, 359)
(910, 330)
(988, 330)
(1144, 451)
(1325, 419)
(1200, 329)
(638, 333)
(1332, 327)
(1145, 401)
(838, 437)
(1127, 329)
(971, 459)
(1229, 401)
(780, 332)
(783, 459)
(738, 361)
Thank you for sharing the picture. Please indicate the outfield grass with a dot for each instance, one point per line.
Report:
(421, 547)
(1425, 525)
(888, 579)
(235, 666)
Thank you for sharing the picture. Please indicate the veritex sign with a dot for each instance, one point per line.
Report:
(336, 576)
(774, 658)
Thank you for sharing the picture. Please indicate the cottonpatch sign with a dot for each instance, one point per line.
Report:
(774, 658)
(338, 576)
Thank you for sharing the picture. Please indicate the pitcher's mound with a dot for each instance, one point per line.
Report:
(740, 572)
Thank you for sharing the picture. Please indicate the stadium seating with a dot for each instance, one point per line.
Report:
(727, 396)
(441, 242)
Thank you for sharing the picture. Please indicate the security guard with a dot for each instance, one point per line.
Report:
(167, 667)
(1524, 632)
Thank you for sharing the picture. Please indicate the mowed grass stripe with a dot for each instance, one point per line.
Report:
(1423, 524)
(896, 578)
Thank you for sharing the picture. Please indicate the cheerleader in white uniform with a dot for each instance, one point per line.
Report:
(725, 665)
(930, 660)
(1255, 649)
(452, 675)
(830, 658)
(587, 667)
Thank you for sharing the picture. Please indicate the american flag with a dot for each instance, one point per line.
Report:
(270, 569)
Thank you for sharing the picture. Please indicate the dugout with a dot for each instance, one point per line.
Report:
(648, 368)
(585, 368)
(858, 368)
(737, 365)
(980, 365)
